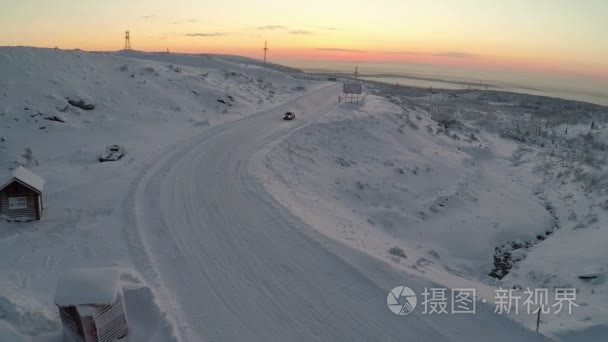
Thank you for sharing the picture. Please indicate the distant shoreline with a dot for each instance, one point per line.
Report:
(446, 84)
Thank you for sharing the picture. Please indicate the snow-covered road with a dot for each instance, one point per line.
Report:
(229, 263)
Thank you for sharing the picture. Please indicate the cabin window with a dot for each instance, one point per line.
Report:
(17, 202)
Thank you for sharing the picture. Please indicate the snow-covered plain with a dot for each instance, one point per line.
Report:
(209, 214)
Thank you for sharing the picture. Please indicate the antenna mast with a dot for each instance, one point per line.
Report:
(127, 41)
(265, 51)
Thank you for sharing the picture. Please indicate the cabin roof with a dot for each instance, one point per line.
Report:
(88, 286)
(26, 177)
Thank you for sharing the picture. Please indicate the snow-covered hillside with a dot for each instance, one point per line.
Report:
(128, 94)
(425, 192)
(429, 185)
(148, 103)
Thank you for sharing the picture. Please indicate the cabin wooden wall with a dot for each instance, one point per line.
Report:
(16, 189)
(72, 326)
(110, 321)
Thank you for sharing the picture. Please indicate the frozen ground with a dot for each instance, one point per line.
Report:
(209, 214)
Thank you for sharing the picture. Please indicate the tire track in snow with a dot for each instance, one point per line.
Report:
(233, 265)
(135, 232)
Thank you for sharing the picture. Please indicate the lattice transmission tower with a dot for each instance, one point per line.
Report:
(265, 51)
(127, 41)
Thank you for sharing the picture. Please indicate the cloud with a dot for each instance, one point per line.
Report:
(403, 52)
(454, 55)
(329, 28)
(185, 21)
(272, 27)
(149, 16)
(208, 34)
(302, 33)
(340, 50)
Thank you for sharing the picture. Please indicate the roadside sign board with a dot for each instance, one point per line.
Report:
(353, 88)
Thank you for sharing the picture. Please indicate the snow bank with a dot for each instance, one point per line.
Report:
(25, 316)
(147, 322)
(8, 334)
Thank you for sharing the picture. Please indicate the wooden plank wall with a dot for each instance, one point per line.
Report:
(72, 328)
(112, 322)
(16, 189)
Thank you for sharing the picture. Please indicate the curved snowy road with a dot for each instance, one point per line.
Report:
(236, 266)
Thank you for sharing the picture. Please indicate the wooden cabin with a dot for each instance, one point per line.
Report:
(91, 305)
(21, 196)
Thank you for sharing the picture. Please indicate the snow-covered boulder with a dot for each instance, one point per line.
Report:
(591, 272)
(82, 104)
(55, 117)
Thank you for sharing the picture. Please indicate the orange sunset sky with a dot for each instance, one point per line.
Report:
(555, 36)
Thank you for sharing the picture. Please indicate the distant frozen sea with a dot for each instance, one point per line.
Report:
(586, 89)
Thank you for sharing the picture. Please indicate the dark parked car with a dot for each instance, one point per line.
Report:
(289, 116)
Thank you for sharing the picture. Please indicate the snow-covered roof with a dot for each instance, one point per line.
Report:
(28, 178)
(94, 286)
